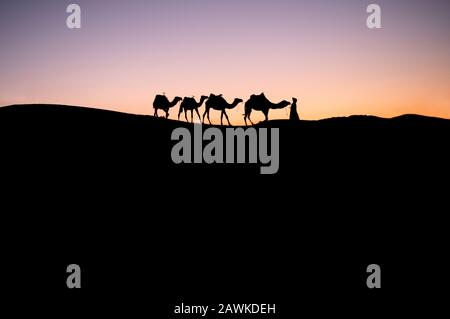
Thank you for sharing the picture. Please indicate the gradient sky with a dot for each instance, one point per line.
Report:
(317, 50)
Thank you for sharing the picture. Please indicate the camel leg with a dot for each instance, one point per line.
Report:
(196, 110)
(192, 116)
(209, 119)
(250, 120)
(204, 114)
(248, 117)
(185, 115)
(167, 114)
(221, 118)
(179, 113)
(248, 112)
(226, 116)
(266, 114)
(156, 113)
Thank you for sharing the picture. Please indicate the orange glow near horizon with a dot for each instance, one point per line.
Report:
(322, 54)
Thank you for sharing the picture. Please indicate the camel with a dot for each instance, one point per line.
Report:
(189, 104)
(217, 102)
(261, 103)
(161, 102)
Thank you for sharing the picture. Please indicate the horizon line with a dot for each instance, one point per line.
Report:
(96, 108)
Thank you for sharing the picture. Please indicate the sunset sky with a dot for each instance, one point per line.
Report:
(319, 51)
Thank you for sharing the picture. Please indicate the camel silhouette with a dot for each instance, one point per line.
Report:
(190, 104)
(218, 103)
(161, 102)
(293, 116)
(261, 103)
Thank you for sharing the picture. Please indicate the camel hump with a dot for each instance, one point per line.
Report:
(261, 98)
(258, 95)
(221, 99)
(161, 99)
(213, 97)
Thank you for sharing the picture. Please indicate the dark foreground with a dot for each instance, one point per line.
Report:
(99, 189)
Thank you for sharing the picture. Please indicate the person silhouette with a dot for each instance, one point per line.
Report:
(294, 114)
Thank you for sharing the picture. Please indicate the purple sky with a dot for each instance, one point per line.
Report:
(319, 51)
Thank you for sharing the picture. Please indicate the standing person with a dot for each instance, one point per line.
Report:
(294, 114)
